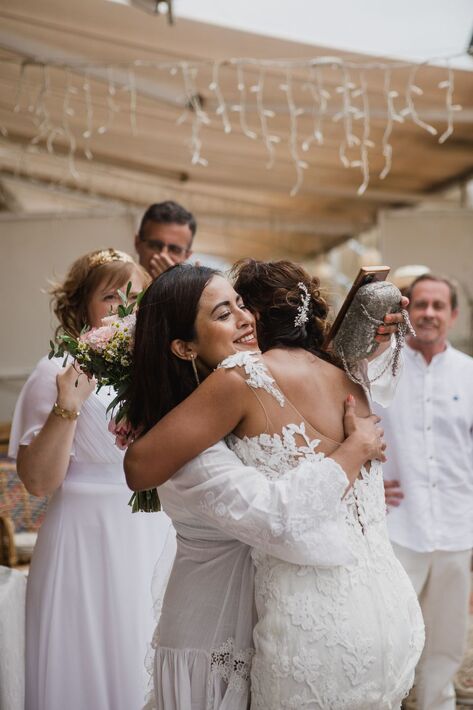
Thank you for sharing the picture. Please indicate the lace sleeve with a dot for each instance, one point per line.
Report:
(255, 372)
(299, 518)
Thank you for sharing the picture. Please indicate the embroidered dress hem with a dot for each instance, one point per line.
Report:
(196, 679)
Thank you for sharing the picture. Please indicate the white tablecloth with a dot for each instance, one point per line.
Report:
(12, 639)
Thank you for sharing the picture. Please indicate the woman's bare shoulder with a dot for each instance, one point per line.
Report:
(337, 374)
(311, 372)
(340, 384)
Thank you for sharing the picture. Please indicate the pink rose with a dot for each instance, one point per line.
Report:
(128, 321)
(123, 432)
(110, 320)
(98, 338)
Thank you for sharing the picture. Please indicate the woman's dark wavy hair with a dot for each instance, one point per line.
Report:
(270, 289)
(168, 310)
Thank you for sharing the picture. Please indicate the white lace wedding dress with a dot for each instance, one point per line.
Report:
(330, 637)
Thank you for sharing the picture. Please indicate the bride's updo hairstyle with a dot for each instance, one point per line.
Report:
(168, 311)
(270, 289)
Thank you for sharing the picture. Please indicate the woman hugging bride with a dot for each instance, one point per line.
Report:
(338, 625)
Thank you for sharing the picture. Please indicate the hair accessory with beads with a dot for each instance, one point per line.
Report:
(107, 255)
(302, 310)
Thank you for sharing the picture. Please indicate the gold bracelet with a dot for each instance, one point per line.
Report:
(65, 413)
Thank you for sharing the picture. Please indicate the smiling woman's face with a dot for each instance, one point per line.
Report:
(105, 299)
(223, 325)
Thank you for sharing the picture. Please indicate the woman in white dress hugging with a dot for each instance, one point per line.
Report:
(345, 632)
(89, 602)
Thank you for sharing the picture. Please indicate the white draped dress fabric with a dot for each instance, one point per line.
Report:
(338, 636)
(89, 615)
(219, 508)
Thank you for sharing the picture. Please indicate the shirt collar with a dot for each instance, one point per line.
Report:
(417, 356)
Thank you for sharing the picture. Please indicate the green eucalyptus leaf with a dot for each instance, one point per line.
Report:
(116, 400)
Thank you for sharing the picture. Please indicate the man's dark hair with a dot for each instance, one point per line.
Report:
(440, 279)
(168, 212)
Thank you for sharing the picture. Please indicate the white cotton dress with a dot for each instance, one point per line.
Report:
(219, 508)
(334, 636)
(89, 615)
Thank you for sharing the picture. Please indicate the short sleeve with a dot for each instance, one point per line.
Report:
(34, 405)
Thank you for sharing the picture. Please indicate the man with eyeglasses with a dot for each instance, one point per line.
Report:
(164, 237)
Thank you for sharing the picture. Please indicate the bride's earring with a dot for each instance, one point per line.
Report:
(194, 367)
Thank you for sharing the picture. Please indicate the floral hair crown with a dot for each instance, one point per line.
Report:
(107, 255)
(303, 309)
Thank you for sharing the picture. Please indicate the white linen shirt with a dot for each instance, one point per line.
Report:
(429, 434)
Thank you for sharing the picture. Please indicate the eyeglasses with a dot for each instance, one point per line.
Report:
(158, 246)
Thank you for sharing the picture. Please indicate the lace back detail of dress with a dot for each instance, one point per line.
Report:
(258, 376)
(319, 640)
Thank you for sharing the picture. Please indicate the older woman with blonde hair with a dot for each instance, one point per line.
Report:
(89, 605)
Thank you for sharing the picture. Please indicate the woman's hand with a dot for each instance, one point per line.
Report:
(391, 322)
(73, 388)
(364, 432)
(364, 441)
(42, 465)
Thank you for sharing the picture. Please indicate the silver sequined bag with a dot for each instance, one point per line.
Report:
(355, 341)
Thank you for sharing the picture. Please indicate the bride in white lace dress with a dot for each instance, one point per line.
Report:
(332, 636)
(336, 636)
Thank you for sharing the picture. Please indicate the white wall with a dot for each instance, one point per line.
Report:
(33, 250)
(441, 240)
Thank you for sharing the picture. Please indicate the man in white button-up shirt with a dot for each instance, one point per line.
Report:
(429, 483)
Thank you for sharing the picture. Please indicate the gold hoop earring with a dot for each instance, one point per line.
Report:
(194, 367)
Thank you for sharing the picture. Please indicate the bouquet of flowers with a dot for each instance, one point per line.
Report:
(105, 353)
